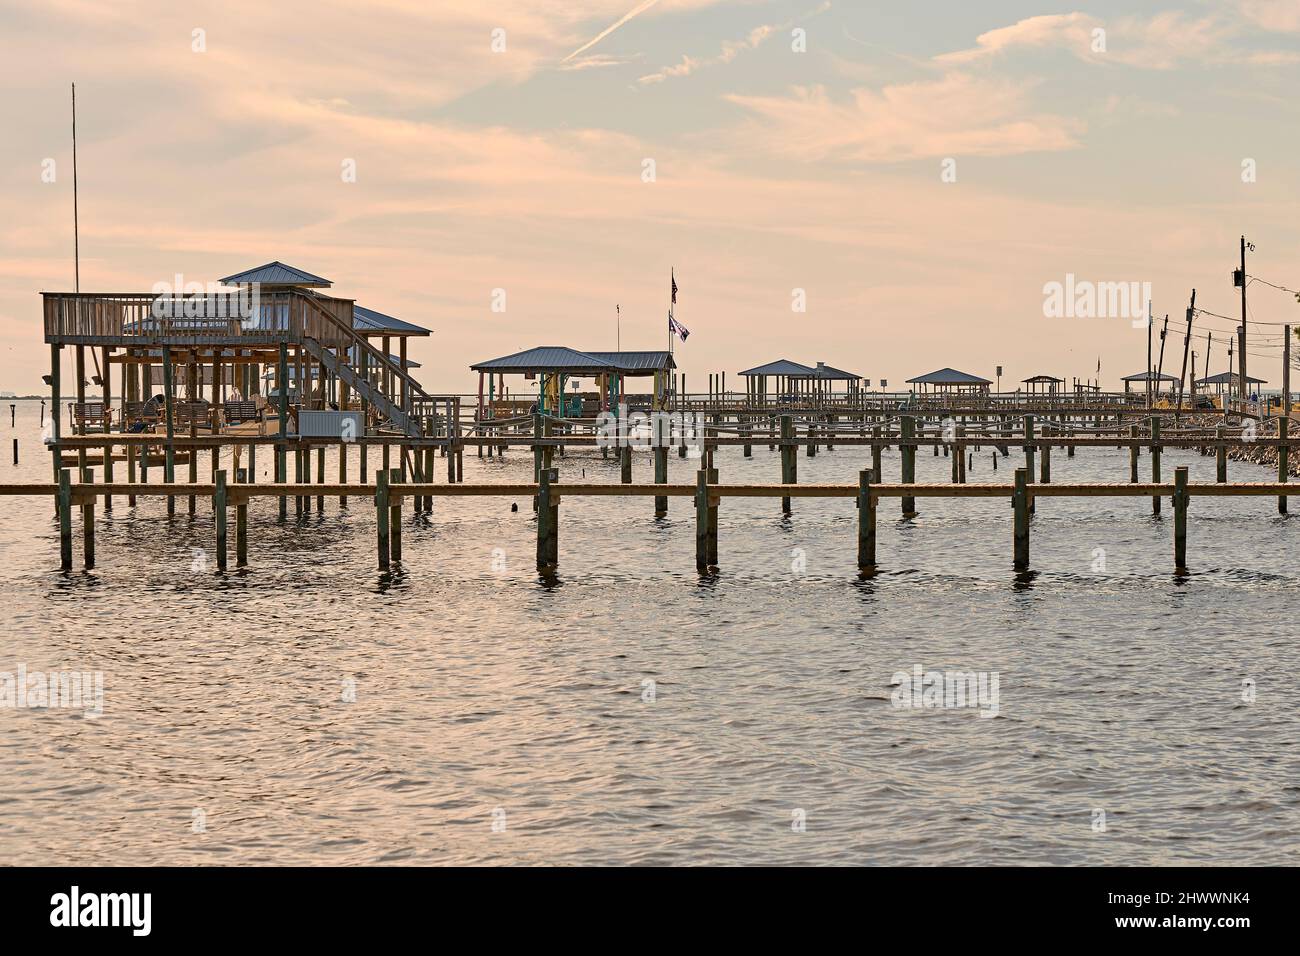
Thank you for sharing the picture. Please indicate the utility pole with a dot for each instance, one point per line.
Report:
(1160, 366)
(1187, 344)
(1148, 353)
(1241, 357)
(1286, 373)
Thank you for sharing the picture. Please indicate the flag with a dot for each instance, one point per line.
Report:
(1098, 364)
(674, 277)
(677, 327)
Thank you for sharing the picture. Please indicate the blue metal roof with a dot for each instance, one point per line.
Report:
(782, 367)
(547, 358)
(277, 273)
(948, 376)
(637, 361)
(368, 320)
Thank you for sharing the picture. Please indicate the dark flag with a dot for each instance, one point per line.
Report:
(674, 277)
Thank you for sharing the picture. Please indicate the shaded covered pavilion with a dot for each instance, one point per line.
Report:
(1227, 383)
(1157, 379)
(1042, 384)
(791, 380)
(951, 381)
(555, 365)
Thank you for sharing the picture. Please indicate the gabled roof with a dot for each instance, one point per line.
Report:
(1036, 379)
(1155, 377)
(277, 273)
(948, 376)
(1229, 378)
(825, 371)
(637, 361)
(368, 320)
(547, 358)
(782, 367)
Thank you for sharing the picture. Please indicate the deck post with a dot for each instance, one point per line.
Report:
(537, 454)
(1045, 460)
(548, 522)
(907, 451)
(88, 530)
(1180, 520)
(1283, 462)
(56, 429)
(789, 459)
(1134, 452)
(1029, 455)
(1020, 500)
(702, 520)
(661, 478)
(65, 516)
(1220, 456)
(1155, 462)
(711, 538)
(107, 379)
(395, 515)
(241, 524)
(875, 451)
(281, 452)
(219, 507)
(866, 522)
(625, 463)
(169, 462)
(381, 514)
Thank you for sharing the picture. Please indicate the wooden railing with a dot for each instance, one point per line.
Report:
(90, 318)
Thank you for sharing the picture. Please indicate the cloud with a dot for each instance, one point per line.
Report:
(640, 8)
(957, 115)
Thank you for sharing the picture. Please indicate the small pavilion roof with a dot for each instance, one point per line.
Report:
(370, 321)
(782, 367)
(1229, 378)
(828, 373)
(633, 363)
(277, 273)
(1155, 377)
(1041, 379)
(948, 376)
(547, 358)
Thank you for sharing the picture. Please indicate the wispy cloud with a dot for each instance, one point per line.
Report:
(639, 9)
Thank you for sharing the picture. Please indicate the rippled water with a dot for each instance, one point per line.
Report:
(485, 696)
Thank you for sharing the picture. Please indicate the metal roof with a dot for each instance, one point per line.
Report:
(368, 320)
(634, 362)
(948, 376)
(1155, 377)
(547, 358)
(825, 371)
(782, 367)
(1041, 378)
(277, 273)
(1229, 378)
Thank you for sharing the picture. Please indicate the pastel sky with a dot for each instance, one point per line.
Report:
(775, 169)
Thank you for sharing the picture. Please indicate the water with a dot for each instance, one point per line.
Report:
(485, 696)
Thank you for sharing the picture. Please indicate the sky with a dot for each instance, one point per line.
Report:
(886, 187)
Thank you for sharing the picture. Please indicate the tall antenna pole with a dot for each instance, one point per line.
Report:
(618, 328)
(1241, 357)
(76, 223)
(1149, 324)
(1187, 342)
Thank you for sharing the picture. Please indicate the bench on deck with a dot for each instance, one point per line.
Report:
(95, 414)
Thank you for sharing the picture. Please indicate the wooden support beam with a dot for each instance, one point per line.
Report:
(661, 478)
(395, 515)
(907, 452)
(65, 516)
(1283, 462)
(1155, 462)
(789, 460)
(1220, 456)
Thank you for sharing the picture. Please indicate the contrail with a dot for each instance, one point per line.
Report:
(641, 7)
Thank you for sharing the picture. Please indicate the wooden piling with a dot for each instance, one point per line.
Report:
(395, 515)
(1283, 461)
(548, 522)
(866, 522)
(169, 462)
(381, 515)
(625, 464)
(1155, 462)
(661, 478)
(1220, 456)
(1133, 455)
(1180, 520)
(241, 525)
(907, 452)
(65, 517)
(1020, 501)
(789, 459)
(219, 507)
